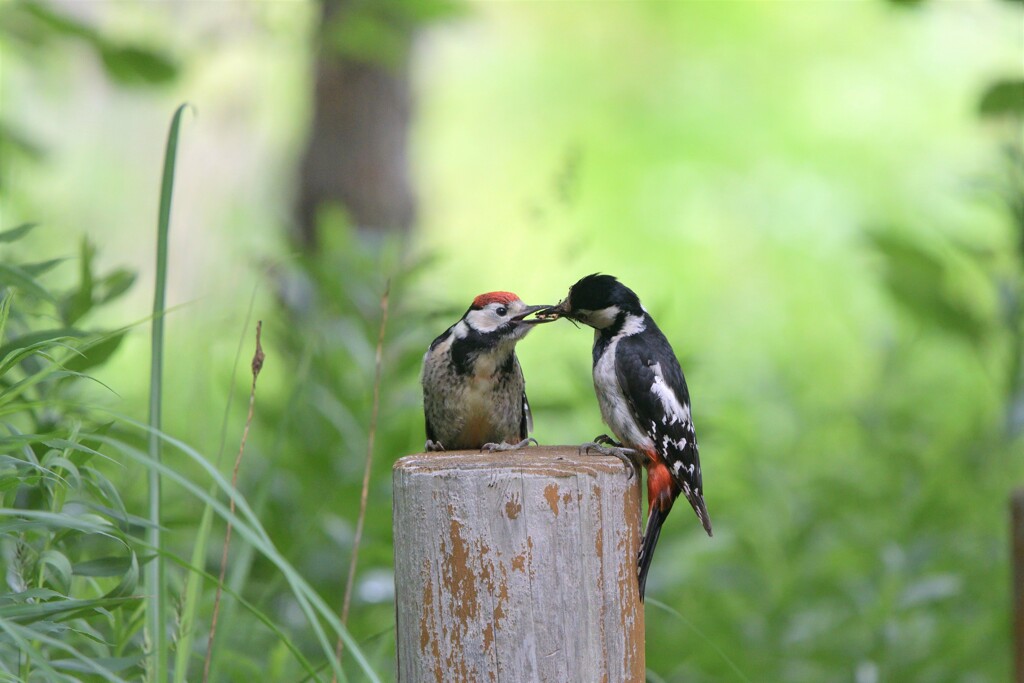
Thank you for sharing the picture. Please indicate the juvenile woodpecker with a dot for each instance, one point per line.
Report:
(473, 389)
(643, 398)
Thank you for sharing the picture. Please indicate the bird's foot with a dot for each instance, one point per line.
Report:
(606, 440)
(491, 447)
(433, 446)
(626, 455)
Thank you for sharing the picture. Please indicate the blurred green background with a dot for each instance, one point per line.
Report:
(822, 203)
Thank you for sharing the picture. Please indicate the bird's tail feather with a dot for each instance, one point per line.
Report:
(651, 533)
(697, 502)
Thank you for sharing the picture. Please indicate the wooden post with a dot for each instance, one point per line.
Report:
(517, 566)
(1017, 555)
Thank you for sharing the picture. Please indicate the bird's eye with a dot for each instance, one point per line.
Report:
(501, 311)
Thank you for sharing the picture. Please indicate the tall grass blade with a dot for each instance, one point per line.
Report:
(156, 580)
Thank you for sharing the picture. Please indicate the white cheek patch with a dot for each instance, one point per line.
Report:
(602, 317)
(484, 320)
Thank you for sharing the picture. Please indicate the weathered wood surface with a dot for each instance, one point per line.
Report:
(516, 567)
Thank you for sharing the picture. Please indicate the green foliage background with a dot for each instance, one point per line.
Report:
(805, 197)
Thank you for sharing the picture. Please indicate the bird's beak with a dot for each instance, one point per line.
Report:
(548, 314)
(521, 318)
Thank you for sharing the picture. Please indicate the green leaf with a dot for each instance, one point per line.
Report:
(1003, 98)
(30, 595)
(32, 340)
(127, 64)
(39, 519)
(129, 523)
(5, 312)
(91, 440)
(103, 566)
(96, 353)
(129, 580)
(52, 462)
(113, 285)
(56, 609)
(107, 663)
(15, 276)
(8, 481)
(17, 233)
(73, 447)
(79, 302)
(16, 350)
(131, 65)
(58, 22)
(61, 569)
(37, 269)
(14, 141)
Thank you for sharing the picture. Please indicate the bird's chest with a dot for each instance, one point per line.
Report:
(483, 387)
(489, 398)
(614, 406)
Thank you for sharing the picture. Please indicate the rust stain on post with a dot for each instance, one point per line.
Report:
(513, 507)
(551, 495)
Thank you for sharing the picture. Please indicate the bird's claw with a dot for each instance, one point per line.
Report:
(433, 446)
(491, 447)
(607, 441)
(626, 455)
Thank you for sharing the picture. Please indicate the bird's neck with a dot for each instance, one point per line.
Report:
(482, 359)
(626, 324)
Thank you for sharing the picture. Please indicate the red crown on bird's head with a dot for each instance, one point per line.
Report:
(494, 297)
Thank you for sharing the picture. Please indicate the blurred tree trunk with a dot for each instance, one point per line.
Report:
(357, 152)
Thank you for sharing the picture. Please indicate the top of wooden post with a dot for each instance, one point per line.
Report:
(549, 461)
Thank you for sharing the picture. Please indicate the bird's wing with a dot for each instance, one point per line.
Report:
(655, 390)
(526, 422)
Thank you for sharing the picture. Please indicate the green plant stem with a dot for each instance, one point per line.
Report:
(156, 580)
(257, 365)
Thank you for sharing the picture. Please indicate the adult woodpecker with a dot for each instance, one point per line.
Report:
(643, 397)
(473, 388)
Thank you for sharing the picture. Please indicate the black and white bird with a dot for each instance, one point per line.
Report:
(473, 388)
(643, 399)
